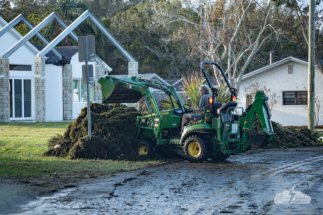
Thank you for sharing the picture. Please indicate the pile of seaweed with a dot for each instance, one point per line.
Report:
(113, 135)
(288, 137)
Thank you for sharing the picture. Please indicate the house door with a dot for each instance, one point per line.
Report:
(20, 99)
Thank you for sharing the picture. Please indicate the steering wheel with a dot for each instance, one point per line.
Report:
(187, 109)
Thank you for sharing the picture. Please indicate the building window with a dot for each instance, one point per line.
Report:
(20, 67)
(295, 98)
(20, 91)
(248, 100)
(290, 69)
(79, 91)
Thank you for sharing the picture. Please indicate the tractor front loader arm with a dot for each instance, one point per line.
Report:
(258, 108)
(127, 90)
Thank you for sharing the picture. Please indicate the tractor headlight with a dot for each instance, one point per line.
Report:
(156, 122)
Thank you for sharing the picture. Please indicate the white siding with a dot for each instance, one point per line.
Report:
(77, 75)
(54, 93)
(53, 76)
(278, 80)
(22, 56)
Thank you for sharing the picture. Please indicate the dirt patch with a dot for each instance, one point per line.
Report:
(287, 137)
(113, 135)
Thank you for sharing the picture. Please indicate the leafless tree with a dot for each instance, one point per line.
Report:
(232, 32)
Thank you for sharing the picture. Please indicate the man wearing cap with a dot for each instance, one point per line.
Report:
(204, 92)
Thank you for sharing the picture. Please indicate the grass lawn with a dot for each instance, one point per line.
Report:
(22, 146)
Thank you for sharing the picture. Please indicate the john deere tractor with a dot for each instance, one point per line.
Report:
(221, 133)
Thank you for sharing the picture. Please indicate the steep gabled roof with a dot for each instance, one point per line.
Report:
(67, 52)
(19, 36)
(274, 65)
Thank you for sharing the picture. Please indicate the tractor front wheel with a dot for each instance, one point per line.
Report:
(144, 148)
(196, 149)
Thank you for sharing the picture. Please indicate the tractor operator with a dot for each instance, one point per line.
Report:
(204, 92)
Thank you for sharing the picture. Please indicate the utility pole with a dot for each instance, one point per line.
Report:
(311, 66)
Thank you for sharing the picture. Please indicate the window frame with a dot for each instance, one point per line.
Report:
(290, 69)
(297, 97)
(29, 65)
(12, 102)
(80, 91)
(249, 97)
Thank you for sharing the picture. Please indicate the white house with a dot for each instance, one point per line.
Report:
(285, 83)
(22, 81)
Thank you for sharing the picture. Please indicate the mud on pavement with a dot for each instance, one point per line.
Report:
(249, 183)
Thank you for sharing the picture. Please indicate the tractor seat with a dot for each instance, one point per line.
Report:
(215, 107)
(222, 111)
(226, 106)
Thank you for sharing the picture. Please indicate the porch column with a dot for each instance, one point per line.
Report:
(4, 90)
(99, 72)
(40, 84)
(67, 92)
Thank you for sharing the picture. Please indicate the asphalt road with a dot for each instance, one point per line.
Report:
(280, 181)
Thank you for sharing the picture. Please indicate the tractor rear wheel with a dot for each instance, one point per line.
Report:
(196, 148)
(144, 148)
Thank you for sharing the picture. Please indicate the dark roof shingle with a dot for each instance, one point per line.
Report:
(66, 51)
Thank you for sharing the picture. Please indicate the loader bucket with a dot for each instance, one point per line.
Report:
(258, 140)
(117, 94)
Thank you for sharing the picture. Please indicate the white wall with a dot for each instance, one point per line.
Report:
(22, 56)
(54, 93)
(53, 76)
(278, 80)
(77, 75)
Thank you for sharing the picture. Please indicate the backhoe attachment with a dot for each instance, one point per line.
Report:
(258, 108)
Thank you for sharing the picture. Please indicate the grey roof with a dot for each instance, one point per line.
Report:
(67, 53)
(273, 65)
(148, 76)
(171, 81)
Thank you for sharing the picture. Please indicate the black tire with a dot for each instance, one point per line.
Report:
(144, 148)
(196, 149)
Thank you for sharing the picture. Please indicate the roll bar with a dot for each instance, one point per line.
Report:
(213, 89)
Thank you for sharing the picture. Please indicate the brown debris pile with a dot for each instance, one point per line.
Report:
(114, 135)
(288, 137)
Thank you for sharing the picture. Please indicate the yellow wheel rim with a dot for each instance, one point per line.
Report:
(194, 149)
(143, 150)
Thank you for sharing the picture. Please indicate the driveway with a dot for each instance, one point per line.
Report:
(279, 181)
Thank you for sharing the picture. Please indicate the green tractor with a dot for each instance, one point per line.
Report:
(221, 133)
